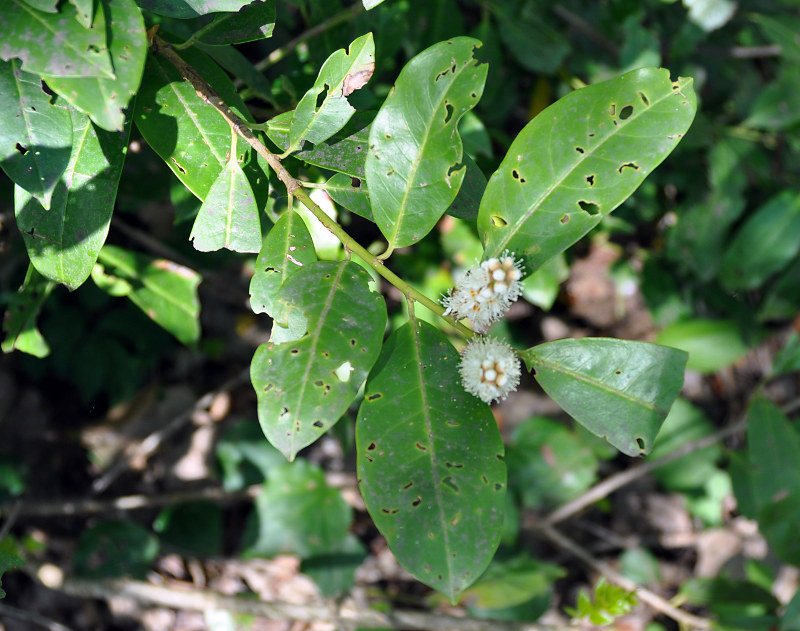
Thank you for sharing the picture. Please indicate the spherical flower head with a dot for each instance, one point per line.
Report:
(489, 369)
(505, 274)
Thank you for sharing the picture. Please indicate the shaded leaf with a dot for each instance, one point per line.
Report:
(579, 159)
(165, 291)
(306, 383)
(115, 548)
(781, 30)
(430, 461)
(229, 215)
(63, 242)
(342, 74)
(84, 11)
(334, 572)
(9, 559)
(193, 528)
(287, 248)
(414, 166)
(298, 513)
(530, 39)
(351, 193)
(102, 98)
(617, 389)
(55, 43)
(711, 344)
(19, 323)
(191, 8)
(35, 134)
(252, 22)
(777, 106)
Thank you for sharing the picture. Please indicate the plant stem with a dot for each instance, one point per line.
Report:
(294, 186)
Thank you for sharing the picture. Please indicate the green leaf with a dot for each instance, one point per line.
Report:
(342, 74)
(777, 106)
(55, 44)
(414, 166)
(63, 242)
(345, 151)
(351, 193)
(711, 344)
(430, 461)
(710, 15)
(9, 559)
(252, 22)
(781, 30)
(306, 384)
(245, 457)
(229, 215)
(468, 201)
(579, 159)
(617, 389)
(19, 324)
(165, 291)
(287, 248)
(298, 513)
(189, 135)
(764, 244)
(334, 572)
(35, 134)
(84, 11)
(191, 8)
(115, 548)
(192, 527)
(103, 98)
(530, 39)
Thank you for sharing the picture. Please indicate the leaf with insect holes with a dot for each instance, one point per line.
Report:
(64, 241)
(579, 159)
(430, 461)
(617, 389)
(342, 74)
(35, 134)
(306, 383)
(415, 167)
(287, 248)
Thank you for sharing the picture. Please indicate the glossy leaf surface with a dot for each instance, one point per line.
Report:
(414, 166)
(252, 22)
(617, 389)
(164, 290)
(191, 8)
(35, 134)
(342, 74)
(430, 461)
(306, 383)
(229, 216)
(19, 324)
(54, 43)
(63, 242)
(579, 159)
(102, 98)
(287, 248)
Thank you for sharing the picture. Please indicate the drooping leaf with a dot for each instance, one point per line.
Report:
(191, 137)
(764, 244)
(63, 242)
(579, 159)
(19, 324)
(102, 98)
(55, 44)
(298, 513)
(342, 74)
(430, 461)
(617, 389)
(414, 166)
(35, 134)
(287, 248)
(252, 22)
(229, 215)
(345, 151)
(164, 290)
(305, 384)
(191, 8)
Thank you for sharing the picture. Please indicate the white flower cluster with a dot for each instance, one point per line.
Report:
(484, 293)
(489, 369)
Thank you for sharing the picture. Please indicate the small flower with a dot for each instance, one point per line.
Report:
(489, 369)
(484, 293)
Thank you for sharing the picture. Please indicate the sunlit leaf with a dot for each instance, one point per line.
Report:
(19, 324)
(430, 461)
(414, 167)
(252, 22)
(617, 389)
(711, 344)
(191, 8)
(579, 159)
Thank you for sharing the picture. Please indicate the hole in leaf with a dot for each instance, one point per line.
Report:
(628, 165)
(269, 387)
(319, 383)
(500, 457)
(321, 98)
(448, 482)
(22, 150)
(452, 423)
(355, 182)
(448, 112)
(640, 443)
(178, 166)
(617, 372)
(590, 180)
(591, 134)
(416, 502)
(369, 458)
(589, 207)
(390, 511)
(372, 447)
(352, 341)
(327, 276)
(564, 218)
(294, 351)
(612, 109)
(408, 485)
(644, 98)
(420, 446)
(498, 486)
(473, 95)
(626, 112)
(374, 397)
(579, 149)
(516, 175)
(454, 465)
(498, 221)
(342, 373)
(318, 424)
(484, 479)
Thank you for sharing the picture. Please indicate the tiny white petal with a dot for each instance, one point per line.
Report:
(489, 369)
